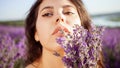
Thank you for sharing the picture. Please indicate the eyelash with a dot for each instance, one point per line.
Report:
(68, 13)
(47, 14)
(51, 14)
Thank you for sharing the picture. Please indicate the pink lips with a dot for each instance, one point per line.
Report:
(59, 29)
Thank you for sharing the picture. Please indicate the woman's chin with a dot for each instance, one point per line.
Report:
(55, 46)
(52, 44)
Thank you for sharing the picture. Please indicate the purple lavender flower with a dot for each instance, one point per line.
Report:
(12, 46)
(111, 47)
(81, 48)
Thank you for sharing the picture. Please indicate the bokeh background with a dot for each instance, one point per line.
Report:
(104, 13)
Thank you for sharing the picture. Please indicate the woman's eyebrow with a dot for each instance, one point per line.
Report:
(51, 7)
(47, 7)
(66, 6)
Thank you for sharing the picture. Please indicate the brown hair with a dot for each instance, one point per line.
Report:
(34, 47)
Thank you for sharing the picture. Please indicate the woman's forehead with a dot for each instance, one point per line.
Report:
(56, 3)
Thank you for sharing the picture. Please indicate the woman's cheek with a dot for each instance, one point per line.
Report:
(43, 38)
(75, 21)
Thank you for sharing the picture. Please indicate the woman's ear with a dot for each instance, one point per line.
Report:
(36, 36)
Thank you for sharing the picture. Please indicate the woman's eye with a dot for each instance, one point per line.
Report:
(47, 14)
(68, 13)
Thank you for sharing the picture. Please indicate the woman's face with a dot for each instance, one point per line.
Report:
(55, 15)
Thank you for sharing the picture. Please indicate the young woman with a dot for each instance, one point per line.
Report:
(43, 23)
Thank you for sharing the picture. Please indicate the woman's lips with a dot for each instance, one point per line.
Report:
(60, 31)
(56, 31)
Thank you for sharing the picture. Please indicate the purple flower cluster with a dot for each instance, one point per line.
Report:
(12, 46)
(82, 47)
(111, 47)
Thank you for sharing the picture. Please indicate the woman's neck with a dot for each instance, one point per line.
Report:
(48, 60)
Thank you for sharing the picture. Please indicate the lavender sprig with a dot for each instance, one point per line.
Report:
(81, 48)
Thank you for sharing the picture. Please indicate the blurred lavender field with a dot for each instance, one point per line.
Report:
(13, 48)
(111, 47)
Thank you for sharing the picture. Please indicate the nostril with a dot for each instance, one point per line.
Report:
(57, 20)
(62, 20)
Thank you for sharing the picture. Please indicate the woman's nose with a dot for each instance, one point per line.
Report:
(60, 19)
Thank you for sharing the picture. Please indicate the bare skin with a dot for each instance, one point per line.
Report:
(53, 14)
